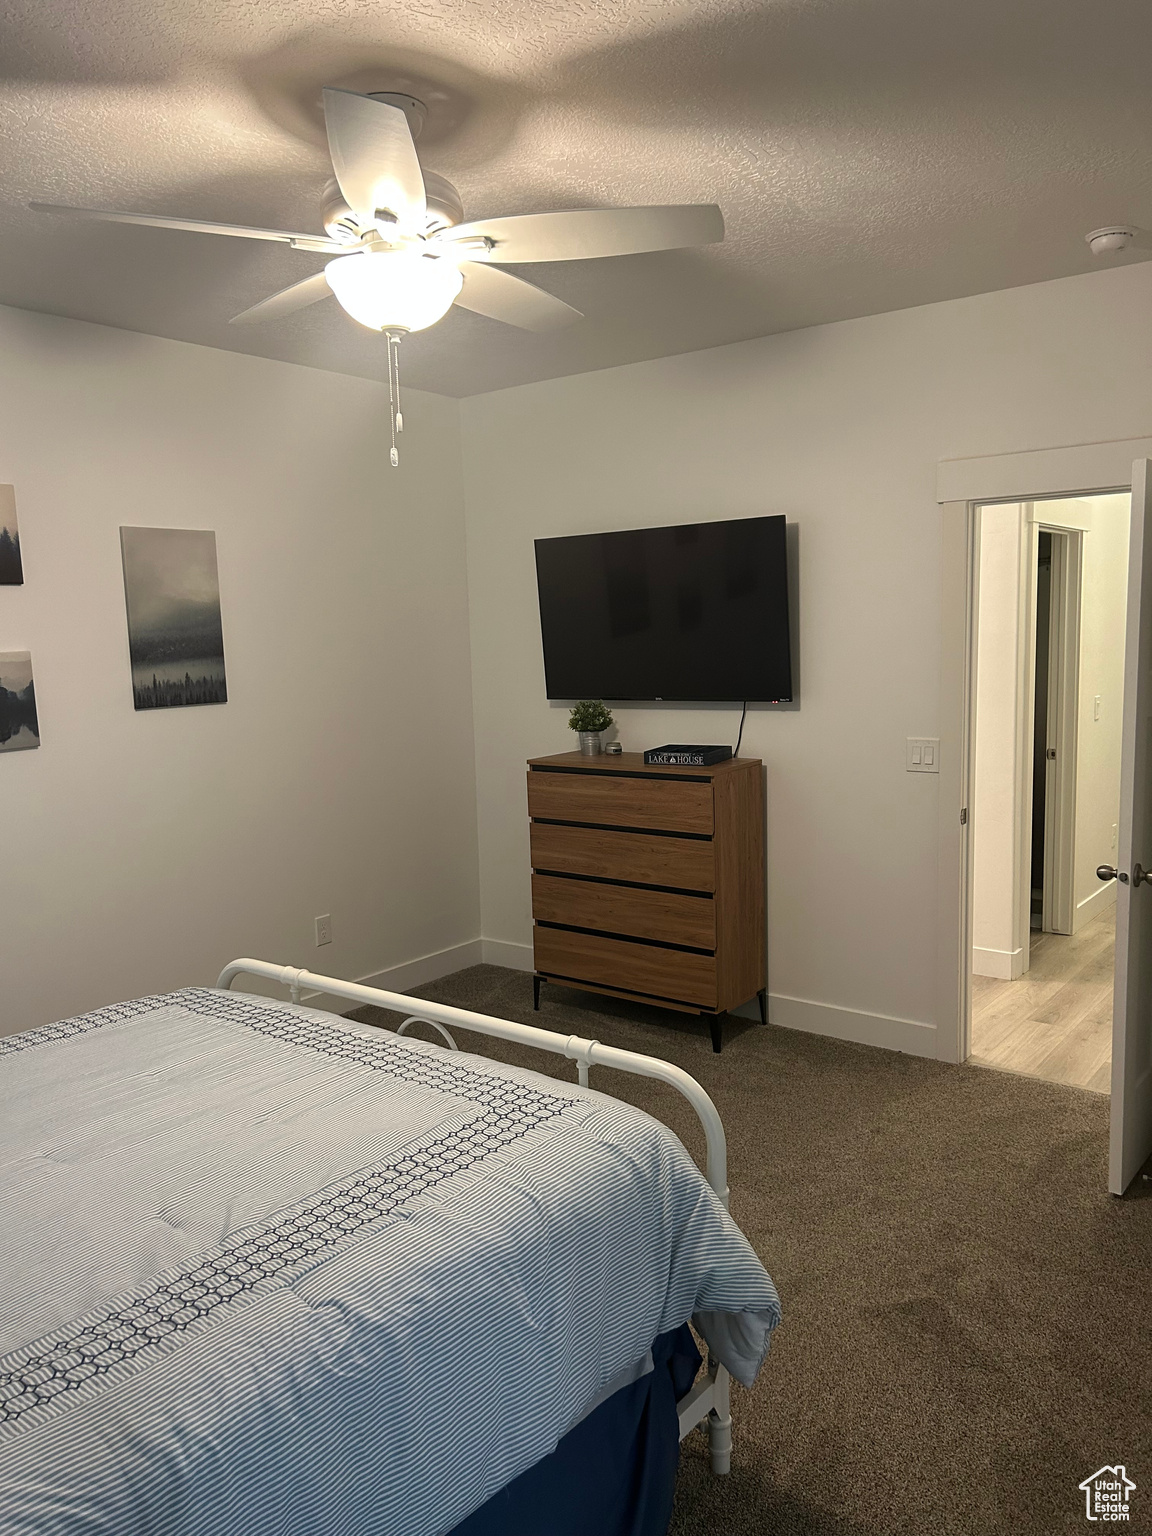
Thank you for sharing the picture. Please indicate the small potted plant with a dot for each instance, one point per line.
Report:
(591, 718)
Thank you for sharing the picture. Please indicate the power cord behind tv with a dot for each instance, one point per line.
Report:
(740, 737)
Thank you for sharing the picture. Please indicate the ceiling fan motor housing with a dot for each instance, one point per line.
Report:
(444, 206)
(411, 106)
(444, 210)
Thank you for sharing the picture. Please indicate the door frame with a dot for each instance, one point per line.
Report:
(1063, 684)
(1087, 469)
(1063, 715)
(1023, 683)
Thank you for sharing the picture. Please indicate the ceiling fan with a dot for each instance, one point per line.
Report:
(402, 255)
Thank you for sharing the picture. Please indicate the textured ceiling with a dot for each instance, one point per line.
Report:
(868, 155)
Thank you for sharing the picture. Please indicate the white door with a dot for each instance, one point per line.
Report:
(1131, 1138)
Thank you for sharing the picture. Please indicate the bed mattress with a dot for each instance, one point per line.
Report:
(267, 1270)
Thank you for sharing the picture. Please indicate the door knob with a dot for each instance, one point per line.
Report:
(1139, 876)
(1106, 872)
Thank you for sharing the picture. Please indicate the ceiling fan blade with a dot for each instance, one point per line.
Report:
(593, 232)
(287, 301)
(301, 242)
(500, 296)
(374, 158)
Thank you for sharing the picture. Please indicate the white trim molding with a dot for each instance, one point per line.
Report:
(1063, 717)
(961, 485)
(400, 978)
(1002, 964)
(1092, 906)
(517, 957)
(1086, 467)
(426, 968)
(879, 1029)
(408, 974)
(829, 1019)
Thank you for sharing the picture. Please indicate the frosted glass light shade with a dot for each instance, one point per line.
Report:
(394, 290)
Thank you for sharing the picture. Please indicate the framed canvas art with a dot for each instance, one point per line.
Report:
(175, 637)
(19, 727)
(11, 565)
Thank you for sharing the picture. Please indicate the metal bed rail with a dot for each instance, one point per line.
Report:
(585, 1053)
(709, 1398)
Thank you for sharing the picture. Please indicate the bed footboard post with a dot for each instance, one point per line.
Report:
(720, 1423)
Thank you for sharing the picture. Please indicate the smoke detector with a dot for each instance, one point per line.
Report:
(1116, 237)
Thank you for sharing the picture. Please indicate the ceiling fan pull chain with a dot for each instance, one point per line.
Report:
(399, 412)
(393, 404)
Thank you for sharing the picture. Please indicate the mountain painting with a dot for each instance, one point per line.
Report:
(19, 728)
(175, 639)
(11, 566)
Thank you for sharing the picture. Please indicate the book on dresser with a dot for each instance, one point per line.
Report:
(648, 882)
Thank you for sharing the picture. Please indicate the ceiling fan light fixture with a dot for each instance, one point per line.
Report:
(400, 290)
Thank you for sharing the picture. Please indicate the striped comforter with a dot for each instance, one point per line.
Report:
(267, 1271)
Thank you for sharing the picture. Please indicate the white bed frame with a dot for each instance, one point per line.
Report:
(709, 1398)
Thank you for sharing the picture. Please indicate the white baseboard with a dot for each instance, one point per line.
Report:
(517, 957)
(1002, 964)
(1093, 905)
(403, 977)
(789, 1012)
(417, 973)
(880, 1029)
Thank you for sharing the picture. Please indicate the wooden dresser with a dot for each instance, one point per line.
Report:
(648, 883)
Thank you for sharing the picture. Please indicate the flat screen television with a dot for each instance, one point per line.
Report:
(692, 613)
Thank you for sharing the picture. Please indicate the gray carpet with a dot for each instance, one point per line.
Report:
(966, 1310)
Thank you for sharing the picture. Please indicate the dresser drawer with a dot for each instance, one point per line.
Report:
(624, 909)
(665, 805)
(678, 861)
(642, 968)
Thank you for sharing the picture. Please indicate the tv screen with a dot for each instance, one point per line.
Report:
(695, 612)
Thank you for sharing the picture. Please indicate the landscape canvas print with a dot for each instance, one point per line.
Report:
(19, 728)
(11, 566)
(175, 639)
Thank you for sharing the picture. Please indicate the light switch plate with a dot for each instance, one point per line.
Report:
(923, 754)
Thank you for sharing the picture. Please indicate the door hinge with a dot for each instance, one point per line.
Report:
(964, 816)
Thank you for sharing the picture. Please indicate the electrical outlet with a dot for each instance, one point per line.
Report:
(324, 929)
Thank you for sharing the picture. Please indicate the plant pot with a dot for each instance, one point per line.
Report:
(590, 743)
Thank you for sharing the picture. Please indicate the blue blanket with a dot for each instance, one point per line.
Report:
(268, 1271)
(632, 1441)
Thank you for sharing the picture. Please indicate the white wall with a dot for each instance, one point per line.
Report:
(142, 851)
(999, 948)
(839, 427)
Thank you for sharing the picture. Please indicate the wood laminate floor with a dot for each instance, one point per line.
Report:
(1055, 1021)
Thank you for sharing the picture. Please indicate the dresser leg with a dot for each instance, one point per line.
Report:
(717, 1036)
(762, 999)
(536, 980)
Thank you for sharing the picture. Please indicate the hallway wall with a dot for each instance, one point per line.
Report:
(1003, 745)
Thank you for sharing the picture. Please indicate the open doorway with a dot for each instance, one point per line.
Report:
(1049, 653)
